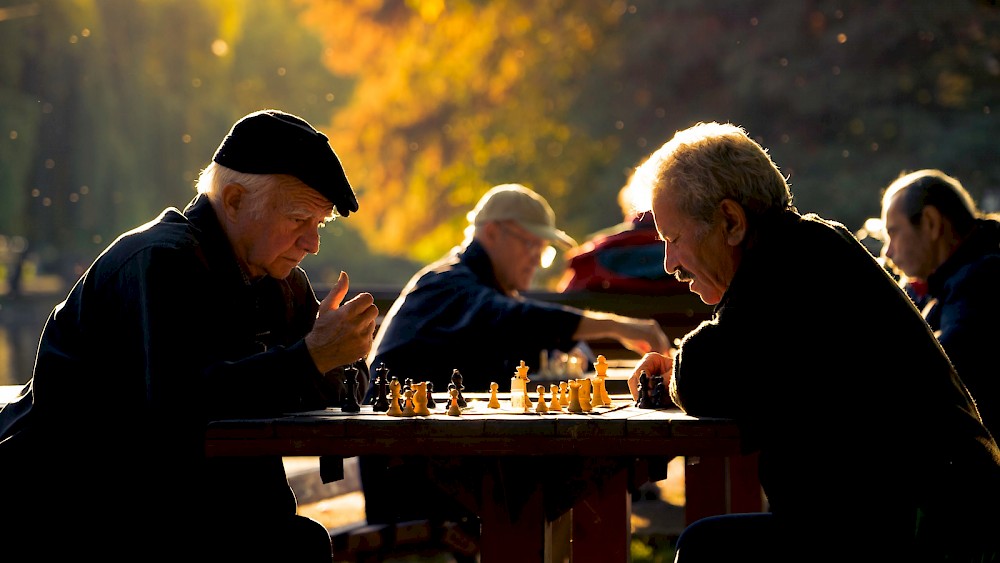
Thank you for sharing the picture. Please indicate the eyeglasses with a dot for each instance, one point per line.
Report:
(529, 244)
(548, 253)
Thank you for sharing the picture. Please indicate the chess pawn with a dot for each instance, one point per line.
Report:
(554, 404)
(454, 409)
(431, 403)
(645, 400)
(420, 399)
(574, 397)
(394, 408)
(563, 393)
(605, 397)
(585, 403)
(408, 408)
(541, 406)
(601, 398)
(661, 398)
(601, 366)
(494, 401)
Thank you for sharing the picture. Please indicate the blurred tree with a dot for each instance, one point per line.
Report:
(568, 97)
(109, 108)
(454, 99)
(112, 107)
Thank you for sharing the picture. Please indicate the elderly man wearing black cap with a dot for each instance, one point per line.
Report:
(465, 312)
(196, 315)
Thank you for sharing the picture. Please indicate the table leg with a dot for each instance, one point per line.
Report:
(602, 522)
(506, 537)
(721, 485)
(704, 487)
(744, 484)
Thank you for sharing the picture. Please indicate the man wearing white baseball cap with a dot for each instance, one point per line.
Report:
(465, 312)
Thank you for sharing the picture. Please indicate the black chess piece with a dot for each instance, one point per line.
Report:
(662, 396)
(431, 403)
(658, 392)
(456, 380)
(350, 403)
(644, 401)
(381, 386)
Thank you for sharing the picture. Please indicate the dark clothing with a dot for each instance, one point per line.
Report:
(171, 334)
(453, 315)
(879, 439)
(966, 310)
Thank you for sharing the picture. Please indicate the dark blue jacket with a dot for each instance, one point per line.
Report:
(966, 311)
(453, 315)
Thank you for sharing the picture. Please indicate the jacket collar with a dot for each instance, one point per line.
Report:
(985, 239)
(215, 244)
(475, 258)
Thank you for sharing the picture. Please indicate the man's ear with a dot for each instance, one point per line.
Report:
(734, 221)
(232, 198)
(932, 222)
(490, 234)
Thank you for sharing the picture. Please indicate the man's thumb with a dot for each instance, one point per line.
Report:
(337, 293)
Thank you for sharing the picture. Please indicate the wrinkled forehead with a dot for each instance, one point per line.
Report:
(296, 196)
(667, 215)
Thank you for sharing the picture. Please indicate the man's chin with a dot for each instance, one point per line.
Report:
(707, 299)
(279, 273)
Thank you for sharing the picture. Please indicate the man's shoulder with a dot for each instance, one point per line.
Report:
(169, 227)
(813, 221)
(170, 231)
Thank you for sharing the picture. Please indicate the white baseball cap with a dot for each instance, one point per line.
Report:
(514, 202)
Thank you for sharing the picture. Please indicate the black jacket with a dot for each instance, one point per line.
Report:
(160, 335)
(867, 432)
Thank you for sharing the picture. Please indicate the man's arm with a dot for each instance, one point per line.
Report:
(639, 335)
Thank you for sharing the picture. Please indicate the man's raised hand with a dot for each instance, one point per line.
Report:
(343, 332)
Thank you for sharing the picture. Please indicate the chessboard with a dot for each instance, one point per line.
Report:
(580, 395)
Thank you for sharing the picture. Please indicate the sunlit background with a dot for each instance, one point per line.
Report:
(109, 109)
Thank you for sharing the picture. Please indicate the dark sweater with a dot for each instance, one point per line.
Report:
(860, 420)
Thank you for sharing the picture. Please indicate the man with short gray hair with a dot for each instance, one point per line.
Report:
(869, 449)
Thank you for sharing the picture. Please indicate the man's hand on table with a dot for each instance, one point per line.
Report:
(652, 363)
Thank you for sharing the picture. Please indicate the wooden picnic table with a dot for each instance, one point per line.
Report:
(522, 471)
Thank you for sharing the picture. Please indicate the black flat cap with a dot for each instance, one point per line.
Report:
(274, 142)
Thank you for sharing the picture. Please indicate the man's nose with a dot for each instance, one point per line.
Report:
(669, 265)
(887, 251)
(309, 241)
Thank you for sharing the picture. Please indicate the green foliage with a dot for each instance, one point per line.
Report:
(110, 108)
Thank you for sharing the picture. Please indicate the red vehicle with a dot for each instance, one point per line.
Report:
(627, 258)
